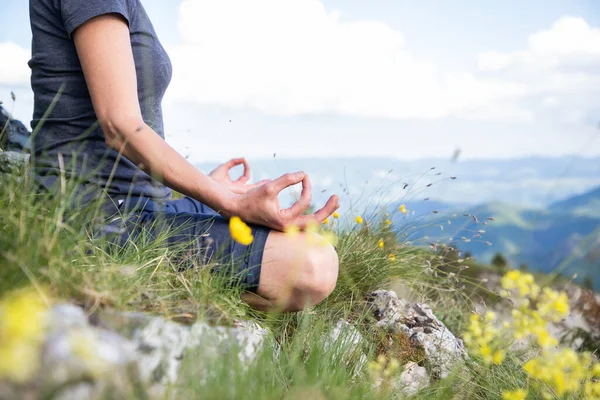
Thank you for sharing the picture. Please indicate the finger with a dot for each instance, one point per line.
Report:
(233, 162)
(319, 216)
(303, 203)
(276, 186)
(249, 186)
(246, 175)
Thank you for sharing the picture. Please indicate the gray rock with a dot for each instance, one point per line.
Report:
(247, 339)
(346, 343)
(12, 161)
(84, 354)
(417, 321)
(162, 345)
(16, 137)
(413, 379)
(67, 316)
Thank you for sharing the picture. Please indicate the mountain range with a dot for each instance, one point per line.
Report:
(562, 237)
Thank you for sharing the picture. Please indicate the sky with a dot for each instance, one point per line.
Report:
(388, 78)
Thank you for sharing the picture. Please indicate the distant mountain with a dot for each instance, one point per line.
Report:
(564, 237)
(584, 204)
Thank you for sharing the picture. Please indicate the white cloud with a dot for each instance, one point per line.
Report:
(559, 66)
(13, 67)
(294, 57)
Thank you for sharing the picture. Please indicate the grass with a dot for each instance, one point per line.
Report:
(46, 242)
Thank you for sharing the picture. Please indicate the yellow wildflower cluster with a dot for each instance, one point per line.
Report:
(359, 220)
(523, 283)
(482, 339)
(562, 370)
(240, 232)
(592, 386)
(23, 321)
(381, 244)
(382, 368)
(403, 209)
(534, 308)
(515, 395)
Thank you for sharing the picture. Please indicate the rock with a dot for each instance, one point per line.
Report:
(121, 354)
(247, 340)
(16, 136)
(416, 320)
(79, 359)
(162, 345)
(84, 354)
(12, 161)
(344, 338)
(14, 143)
(413, 379)
(346, 343)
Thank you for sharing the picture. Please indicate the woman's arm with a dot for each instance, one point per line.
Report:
(104, 49)
(105, 53)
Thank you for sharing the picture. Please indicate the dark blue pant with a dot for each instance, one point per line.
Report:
(196, 233)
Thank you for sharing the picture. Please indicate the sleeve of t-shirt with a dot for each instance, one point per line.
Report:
(77, 12)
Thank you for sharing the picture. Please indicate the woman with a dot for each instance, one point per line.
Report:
(104, 61)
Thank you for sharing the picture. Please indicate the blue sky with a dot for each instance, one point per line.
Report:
(404, 79)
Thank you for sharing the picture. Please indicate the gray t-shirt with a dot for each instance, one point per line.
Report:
(70, 138)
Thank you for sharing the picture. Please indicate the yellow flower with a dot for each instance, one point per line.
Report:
(392, 257)
(240, 231)
(292, 231)
(388, 222)
(23, 322)
(329, 238)
(380, 244)
(326, 221)
(520, 394)
(562, 369)
(359, 219)
(403, 209)
(499, 357)
(336, 215)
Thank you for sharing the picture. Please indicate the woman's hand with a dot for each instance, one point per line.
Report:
(260, 205)
(240, 185)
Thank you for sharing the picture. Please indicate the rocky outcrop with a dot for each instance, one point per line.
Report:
(441, 351)
(122, 351)
(11, 161)
(14, 143)
(15, 135)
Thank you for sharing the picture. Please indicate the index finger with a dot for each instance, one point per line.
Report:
(320, 215)
(303, 203)
(285, 181)
(238, 161)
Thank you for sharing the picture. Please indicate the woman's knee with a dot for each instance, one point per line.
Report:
(319, 275)
(297, 271)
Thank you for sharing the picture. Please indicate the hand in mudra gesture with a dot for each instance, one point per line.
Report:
(260, 205)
